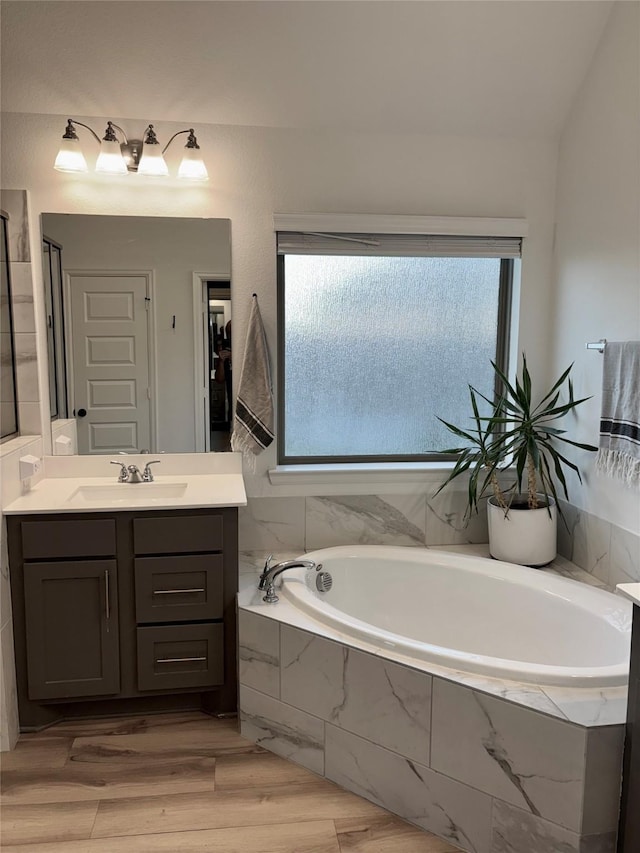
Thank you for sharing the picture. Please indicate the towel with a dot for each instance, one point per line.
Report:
(619, 453)
(253, 420)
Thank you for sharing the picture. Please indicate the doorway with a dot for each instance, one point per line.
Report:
(218, 299)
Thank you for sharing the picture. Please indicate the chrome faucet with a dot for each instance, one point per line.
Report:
(135, 474)
(270, 573)
(132, 474)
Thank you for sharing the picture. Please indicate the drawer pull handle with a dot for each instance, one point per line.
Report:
(176, 591)
(178, 660)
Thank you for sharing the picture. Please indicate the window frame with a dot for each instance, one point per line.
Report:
(5, 241)
(56, 336)
(503, 346)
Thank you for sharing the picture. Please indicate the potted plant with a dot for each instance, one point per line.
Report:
(520, 434)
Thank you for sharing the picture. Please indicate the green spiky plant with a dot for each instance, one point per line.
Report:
(519, 433)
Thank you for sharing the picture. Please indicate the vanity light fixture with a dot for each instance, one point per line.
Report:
(118, 157)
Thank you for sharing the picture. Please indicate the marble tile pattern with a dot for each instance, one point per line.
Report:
(517, 831)
(282, 729)
(259, 653)
(22, 299)
(446, 522)
(365, 520)
(624, 559)
(517, 755)
(607, 552)
(364, 694)
(453, 811)
(14, 202)
(272, 524)
(497, 778)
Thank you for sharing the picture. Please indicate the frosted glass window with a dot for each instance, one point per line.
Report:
(374, 348)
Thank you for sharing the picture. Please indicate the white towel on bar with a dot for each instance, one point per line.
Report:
(619, 453)
(253, 420)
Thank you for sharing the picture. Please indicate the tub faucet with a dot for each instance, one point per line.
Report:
(270, 573)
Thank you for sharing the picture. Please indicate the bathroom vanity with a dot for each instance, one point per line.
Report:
(124, 609)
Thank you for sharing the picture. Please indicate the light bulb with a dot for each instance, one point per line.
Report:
(192, 167)
(152, 162)
(110, 160)
(70, 157)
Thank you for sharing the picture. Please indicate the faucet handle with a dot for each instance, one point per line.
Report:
(147, 475)
(123, 475)
(265, 572)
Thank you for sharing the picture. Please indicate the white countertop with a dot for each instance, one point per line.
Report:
(630, 591)
(82, 484)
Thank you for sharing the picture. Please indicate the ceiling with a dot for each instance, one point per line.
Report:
(445, 67)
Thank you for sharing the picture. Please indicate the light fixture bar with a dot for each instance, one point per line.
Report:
(134, 155)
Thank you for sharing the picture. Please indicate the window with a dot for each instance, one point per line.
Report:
(381, 334)
(9, 407)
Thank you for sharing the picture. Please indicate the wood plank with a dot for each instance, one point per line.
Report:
(29, 824)
(133, 724)
(98, 781)
(31, 754)
(241, 807)
(317, 836)
(387, 834)
(199, 741)
(258, 770)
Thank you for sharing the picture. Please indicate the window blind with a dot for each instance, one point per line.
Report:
(398, 245)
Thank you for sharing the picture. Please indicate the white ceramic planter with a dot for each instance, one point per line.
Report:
(524, 536)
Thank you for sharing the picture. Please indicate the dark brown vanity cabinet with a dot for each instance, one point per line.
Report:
(123, 612)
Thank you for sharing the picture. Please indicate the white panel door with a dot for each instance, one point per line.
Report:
(111, 378)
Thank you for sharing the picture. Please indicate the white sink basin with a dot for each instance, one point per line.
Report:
(124, 494)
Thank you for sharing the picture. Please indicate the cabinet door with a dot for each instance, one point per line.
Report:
(72, 629)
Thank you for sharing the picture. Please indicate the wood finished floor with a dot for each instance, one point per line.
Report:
(180, 783)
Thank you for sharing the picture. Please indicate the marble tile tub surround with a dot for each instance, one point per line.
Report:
(584, 706)
(478, 770)
(609, 553)
(416, 520)
(606, 552)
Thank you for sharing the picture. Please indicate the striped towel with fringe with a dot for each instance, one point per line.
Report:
(253, 420)
(619, 453)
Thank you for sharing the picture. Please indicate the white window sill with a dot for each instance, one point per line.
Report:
(360, 472)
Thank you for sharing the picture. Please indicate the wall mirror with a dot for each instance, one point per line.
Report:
(139, 325)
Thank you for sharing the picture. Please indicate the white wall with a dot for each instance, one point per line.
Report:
(256, 172)
(10, 490)
(597, 249)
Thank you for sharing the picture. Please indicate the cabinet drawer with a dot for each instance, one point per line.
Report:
(183, 588)
(180, 656)
(77, 538)
(177, 534)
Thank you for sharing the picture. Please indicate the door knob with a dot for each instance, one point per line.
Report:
(82, 413)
